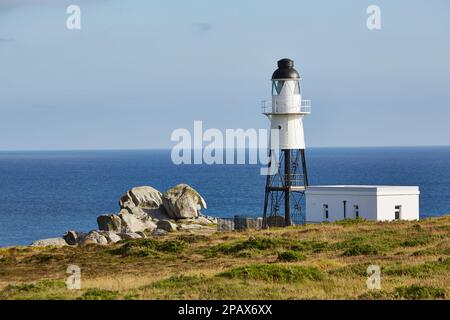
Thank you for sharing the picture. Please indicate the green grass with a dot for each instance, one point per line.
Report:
(359, 270)
(349, 222)
(274, 272)
(41, 290)
(149, 247)
(178, 282)
(320, 261)
(254, 245)
(314, 246)
(441, 266)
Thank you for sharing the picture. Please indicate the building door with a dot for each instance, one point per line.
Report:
(345, 209)
(398, 210)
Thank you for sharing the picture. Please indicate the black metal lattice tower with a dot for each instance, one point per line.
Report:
(285, 190)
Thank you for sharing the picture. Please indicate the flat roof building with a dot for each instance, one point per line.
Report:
(380, 203)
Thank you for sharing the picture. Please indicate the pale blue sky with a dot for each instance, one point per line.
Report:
(139, 69)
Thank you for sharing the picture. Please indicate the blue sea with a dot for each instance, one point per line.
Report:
(45, 193)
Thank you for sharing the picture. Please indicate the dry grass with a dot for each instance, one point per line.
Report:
(326, 261)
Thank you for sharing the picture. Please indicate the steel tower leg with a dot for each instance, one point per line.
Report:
(289, 182)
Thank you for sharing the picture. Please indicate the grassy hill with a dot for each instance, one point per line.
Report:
(326, 261)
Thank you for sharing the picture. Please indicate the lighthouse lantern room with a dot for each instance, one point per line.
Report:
(285, 189)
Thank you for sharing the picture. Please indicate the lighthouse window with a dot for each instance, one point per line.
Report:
(277, 86)
(297, 88)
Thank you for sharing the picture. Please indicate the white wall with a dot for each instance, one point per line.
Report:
(409, 211)
(315, 213)
(375, 203)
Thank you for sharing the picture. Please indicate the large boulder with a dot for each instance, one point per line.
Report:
(109, 222)
(141, 197)
(143, 202)
(112, 237)
(49, 242)
(131, 223)
(182, 201)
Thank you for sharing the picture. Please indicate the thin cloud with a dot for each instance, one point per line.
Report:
(2, 39)
(203, 27)
(13, 4)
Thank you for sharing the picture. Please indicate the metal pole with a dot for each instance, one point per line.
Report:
(287, 173)
(266, 195)
(305, 173)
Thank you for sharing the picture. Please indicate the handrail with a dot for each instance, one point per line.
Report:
(304, 108)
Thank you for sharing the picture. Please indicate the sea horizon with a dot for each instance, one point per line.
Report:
(46, 193)
(170, 148)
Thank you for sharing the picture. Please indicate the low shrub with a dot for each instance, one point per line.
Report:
(252, 243)
(419, 241)
(375, 295)
(361, 249)
(98, 294)
(291, 255)
(417, 292)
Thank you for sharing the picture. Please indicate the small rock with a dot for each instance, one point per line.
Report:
(159, 232)
(94, 237)
(142, 234)
(130, 235)
(166, 225)
(193, 226)
(73, 237)
(109, 222)
(49, 242)
(202, 220)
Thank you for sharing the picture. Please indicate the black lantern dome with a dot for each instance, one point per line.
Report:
(285, 71)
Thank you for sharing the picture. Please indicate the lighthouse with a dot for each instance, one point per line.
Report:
(285, 189)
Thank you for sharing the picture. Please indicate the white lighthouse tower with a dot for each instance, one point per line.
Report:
(285, 189)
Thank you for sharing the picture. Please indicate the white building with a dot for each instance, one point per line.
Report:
(382, 203)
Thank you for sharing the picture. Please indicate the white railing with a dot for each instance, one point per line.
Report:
(268, 108)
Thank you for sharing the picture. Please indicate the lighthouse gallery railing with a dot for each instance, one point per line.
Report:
(267, 107)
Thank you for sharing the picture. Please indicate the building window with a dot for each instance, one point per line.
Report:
(356, 211)
(398, 212)
(325, 212)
